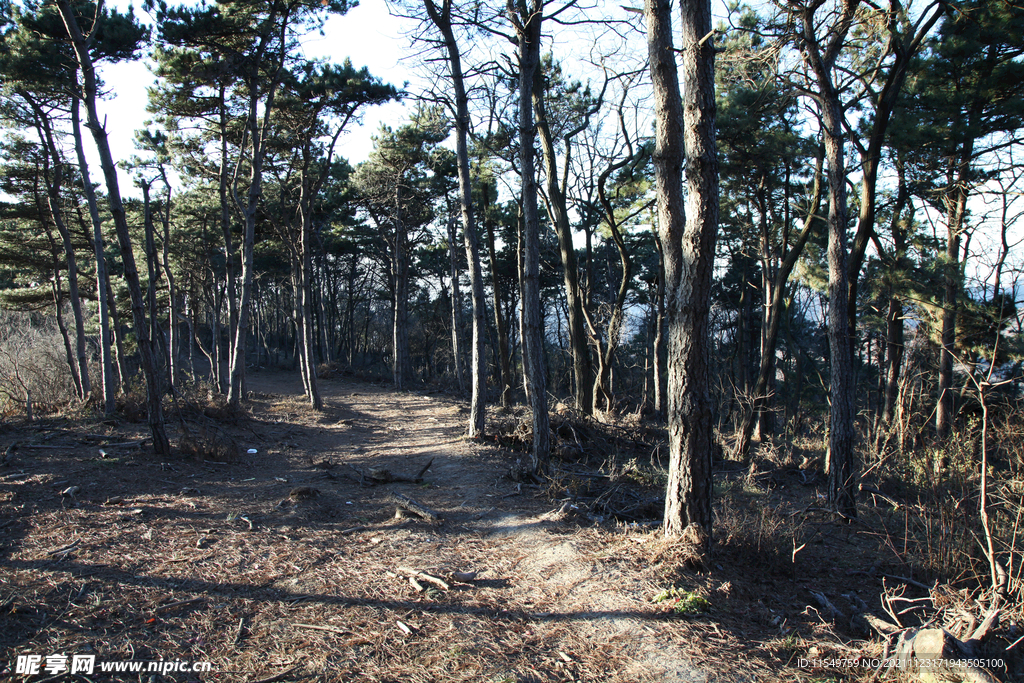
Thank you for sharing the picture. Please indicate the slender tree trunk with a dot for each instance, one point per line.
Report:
(501, 329)
(306, 288)
(402, 372)
(152, 276)
(53, 172)
(223, 179)
(478, 371)
(956, 211)
(776, 310)
(528, 26)
(106, 364)
(257, 126)
(58, 308)
(842, 472)
(581, 366)
(894, 315)
(456, 301)
(660, 339)
(120, 357)
(173, 341)
(161, 445)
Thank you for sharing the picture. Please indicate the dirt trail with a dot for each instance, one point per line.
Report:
(548, 562)
(288, 563)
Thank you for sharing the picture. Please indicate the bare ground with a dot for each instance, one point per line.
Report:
(290, 564)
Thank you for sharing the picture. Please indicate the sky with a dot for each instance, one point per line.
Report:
(367, 34)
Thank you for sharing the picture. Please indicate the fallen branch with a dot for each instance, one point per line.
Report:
(276, 677)
(413, 506)
(417, 574)
(164, 608)
(66, 549)
(339, 631)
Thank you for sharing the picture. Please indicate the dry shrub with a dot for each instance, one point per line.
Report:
(756, 533)
(208, 444)
(32, 362)
(327, 370)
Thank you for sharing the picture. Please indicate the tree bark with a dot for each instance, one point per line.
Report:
(161, 445)
(688, 242)
(842, 473)
(478, 370)
(106, 364)
(527, 16)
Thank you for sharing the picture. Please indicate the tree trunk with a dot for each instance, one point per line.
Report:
(688, 242)
(478, 369)
(660, 339)
(456, 301)
(402, 363)
(106, 363)
(582, 372)
(53, 171)
(501, 329)
(776, 310)
(152, 276)
(894, 336)
(528, 26)
(161, 445)
(257, 126)
(956, 203)
(173, 341)
(305, 293)
(842, 473)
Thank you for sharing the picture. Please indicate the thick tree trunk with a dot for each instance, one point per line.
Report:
(688, 244)
(161, 445)
(528, 25)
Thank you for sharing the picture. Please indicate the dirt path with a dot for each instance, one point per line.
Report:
(539, 560)
(288, 563)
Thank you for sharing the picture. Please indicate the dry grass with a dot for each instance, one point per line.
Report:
(200, 560)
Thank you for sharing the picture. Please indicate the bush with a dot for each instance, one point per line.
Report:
(32, 362)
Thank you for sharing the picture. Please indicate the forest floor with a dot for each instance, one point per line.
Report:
(290, 564)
